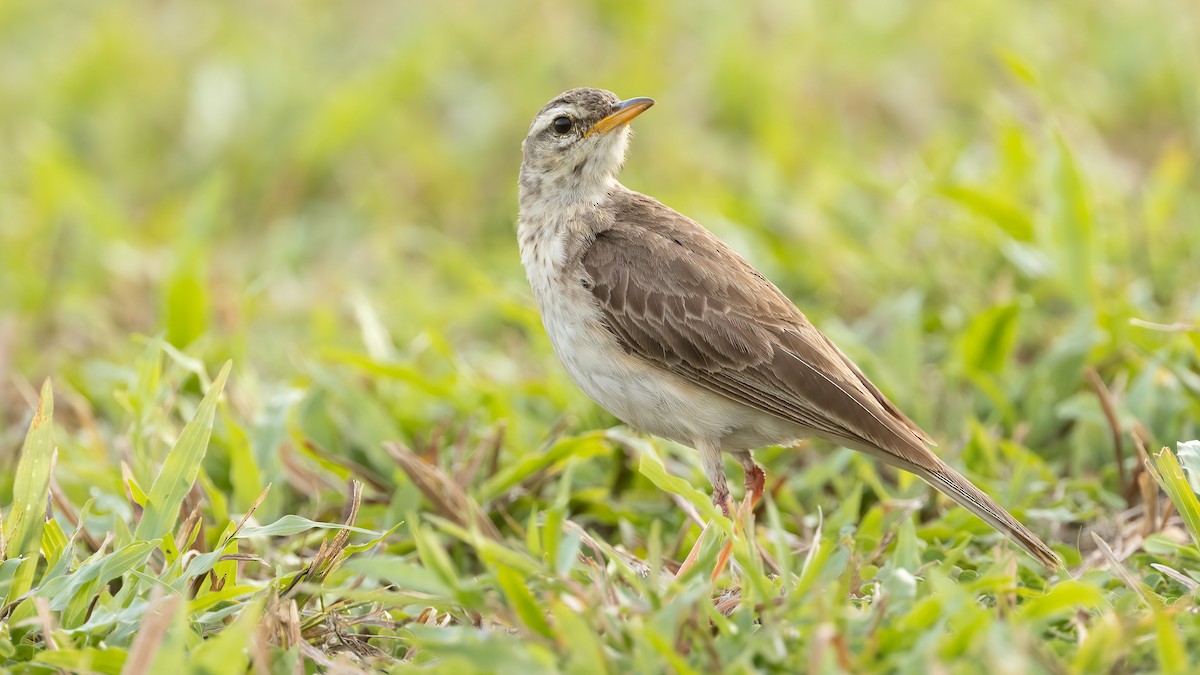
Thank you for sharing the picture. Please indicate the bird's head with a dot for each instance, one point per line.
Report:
(576, 143)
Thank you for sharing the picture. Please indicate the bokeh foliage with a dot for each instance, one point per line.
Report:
(981, 202)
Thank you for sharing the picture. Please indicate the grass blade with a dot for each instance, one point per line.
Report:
(180, 469)
(522, 600)
(227, 652)
(23, 526)
(1167, 470)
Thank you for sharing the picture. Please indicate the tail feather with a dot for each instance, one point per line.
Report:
(951, 483)
(961, 490)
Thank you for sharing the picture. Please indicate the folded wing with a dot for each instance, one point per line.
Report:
(674, 294)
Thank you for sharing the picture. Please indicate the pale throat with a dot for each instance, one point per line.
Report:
(558, 197)
(561, 184)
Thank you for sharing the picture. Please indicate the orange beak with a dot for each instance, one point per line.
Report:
(622, 114)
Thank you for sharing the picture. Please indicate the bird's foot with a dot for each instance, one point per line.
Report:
(756, 483)
(722, 500)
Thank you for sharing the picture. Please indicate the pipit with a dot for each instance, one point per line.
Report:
(666, 327)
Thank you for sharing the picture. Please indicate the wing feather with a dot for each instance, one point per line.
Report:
(664, 286)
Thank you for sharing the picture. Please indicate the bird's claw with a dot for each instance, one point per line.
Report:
(723, 501)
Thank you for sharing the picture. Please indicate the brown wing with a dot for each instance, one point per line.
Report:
(679, 297)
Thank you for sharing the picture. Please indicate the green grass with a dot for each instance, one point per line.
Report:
(983, 203)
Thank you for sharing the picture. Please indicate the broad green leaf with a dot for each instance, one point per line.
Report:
(180, 468)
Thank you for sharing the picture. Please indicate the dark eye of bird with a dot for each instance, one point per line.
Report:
(561, 125)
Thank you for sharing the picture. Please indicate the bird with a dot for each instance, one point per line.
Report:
(665, 326)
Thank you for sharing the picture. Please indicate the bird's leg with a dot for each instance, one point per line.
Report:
(756, 481)
(714, 470)
(722, 501)
(710, 460)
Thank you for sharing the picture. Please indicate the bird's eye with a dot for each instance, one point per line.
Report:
(561, 125)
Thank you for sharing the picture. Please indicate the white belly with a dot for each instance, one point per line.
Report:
(644, 397)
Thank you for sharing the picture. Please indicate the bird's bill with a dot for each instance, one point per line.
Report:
(623, 113)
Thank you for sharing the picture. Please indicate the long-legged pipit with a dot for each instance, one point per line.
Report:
(666, 327)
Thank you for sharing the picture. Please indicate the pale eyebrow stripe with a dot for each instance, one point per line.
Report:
(545, 120)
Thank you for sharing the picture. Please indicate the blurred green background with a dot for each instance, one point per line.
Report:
(977, 200)
(974, 198)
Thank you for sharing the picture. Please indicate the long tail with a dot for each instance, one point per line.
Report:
(887, 434)
(950, 482)
(961, 490)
